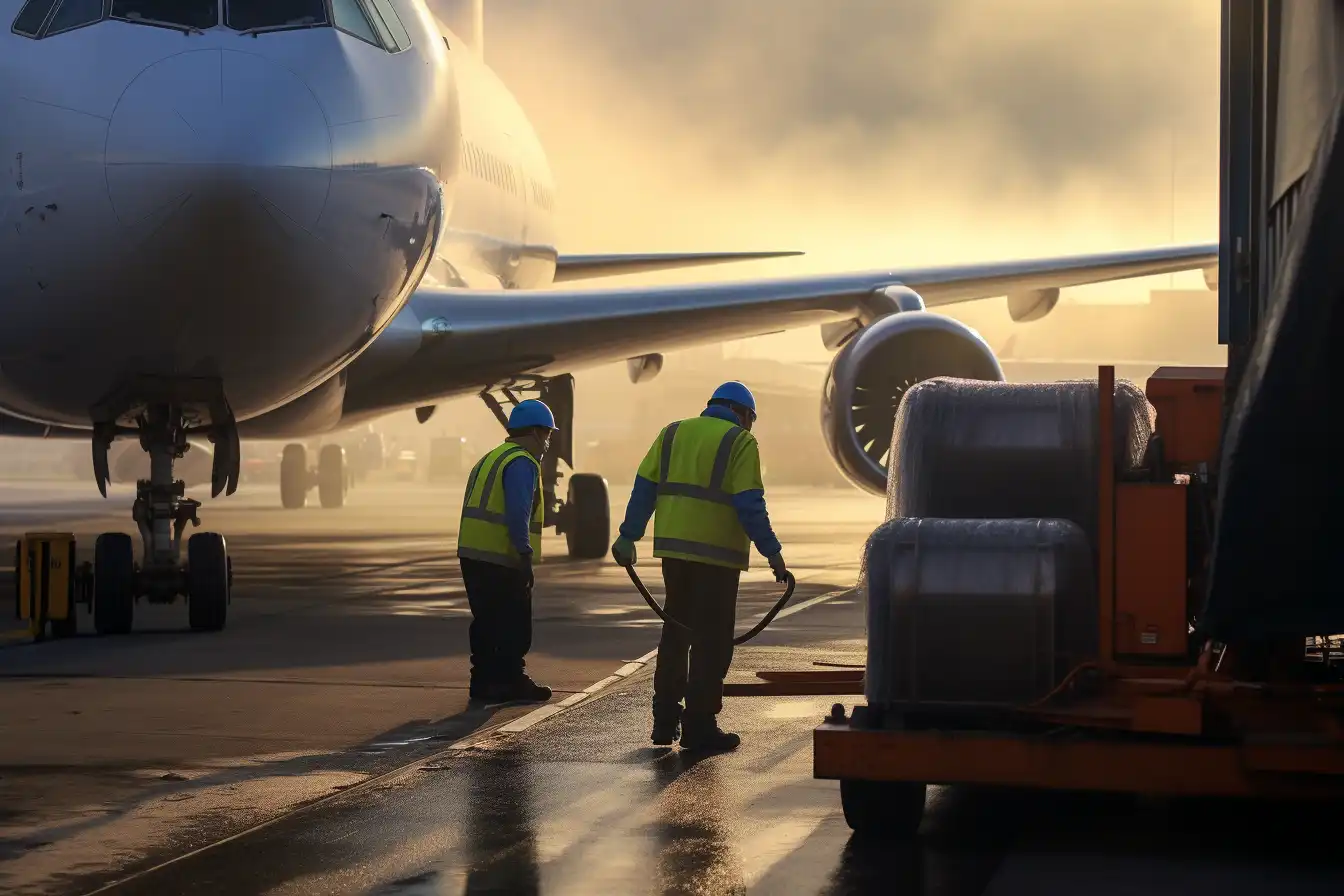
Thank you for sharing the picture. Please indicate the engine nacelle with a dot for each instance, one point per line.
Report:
(870, 375)
(1032, 304)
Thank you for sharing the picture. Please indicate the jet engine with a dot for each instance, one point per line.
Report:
(873, 370)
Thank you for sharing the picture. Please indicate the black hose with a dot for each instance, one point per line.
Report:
(789, 583)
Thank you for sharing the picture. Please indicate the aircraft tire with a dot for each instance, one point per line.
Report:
(113, 583)
(207, 582)
(588, 530)
(294, 477)
(332, 481)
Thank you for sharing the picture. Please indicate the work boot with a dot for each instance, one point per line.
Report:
(712, 739)
(488, 691)
(665, 732)
(525, 690)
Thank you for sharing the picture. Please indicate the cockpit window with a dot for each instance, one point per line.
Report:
(250, 15)
(30, 18)
(395, 37)
(373, 21)
(349, 16)
(200, 14)
(76, 14)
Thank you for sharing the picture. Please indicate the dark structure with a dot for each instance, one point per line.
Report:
(1281, 276)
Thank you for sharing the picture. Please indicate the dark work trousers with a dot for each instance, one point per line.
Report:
(501, 621)
(704, 597)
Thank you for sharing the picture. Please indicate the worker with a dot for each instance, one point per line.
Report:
(702, 482)
(498, 541)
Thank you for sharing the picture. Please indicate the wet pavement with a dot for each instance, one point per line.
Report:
(323, 745)
(344, 659)
(580, 803)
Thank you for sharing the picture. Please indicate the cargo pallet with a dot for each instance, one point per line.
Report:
(1156, 712)
(1152, 714)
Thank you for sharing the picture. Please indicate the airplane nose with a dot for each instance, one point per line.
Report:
(212, 123)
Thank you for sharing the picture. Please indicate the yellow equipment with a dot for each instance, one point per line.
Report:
(45, 580)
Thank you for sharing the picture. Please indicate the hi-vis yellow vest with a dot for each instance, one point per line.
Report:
(483, 533)
(699, 464)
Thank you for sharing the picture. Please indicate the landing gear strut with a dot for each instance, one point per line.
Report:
(161, 512)
(584, 517)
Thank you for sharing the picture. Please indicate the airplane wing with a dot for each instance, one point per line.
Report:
(452, 341)
(587, 267)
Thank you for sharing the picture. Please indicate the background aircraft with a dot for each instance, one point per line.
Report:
(225, 218)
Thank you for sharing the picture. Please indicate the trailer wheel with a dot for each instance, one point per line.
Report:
(891, 809)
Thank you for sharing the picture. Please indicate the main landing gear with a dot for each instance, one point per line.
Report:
(584, 517)
(332, 478)
(161, 512)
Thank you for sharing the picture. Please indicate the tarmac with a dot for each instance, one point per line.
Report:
(323, 743)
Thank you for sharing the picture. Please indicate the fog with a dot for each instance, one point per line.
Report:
(868, 134)
(871, 133)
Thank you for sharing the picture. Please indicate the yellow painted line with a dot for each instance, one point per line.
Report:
(19, 637)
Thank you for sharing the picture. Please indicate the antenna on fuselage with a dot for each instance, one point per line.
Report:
(466, 19)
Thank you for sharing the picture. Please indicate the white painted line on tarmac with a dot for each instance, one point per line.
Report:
(541, 713)
(610, 679)
(522, 723)
(532, 718)
(810, 602)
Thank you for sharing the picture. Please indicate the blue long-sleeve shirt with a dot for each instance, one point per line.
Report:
(520, 488)
(750, 505)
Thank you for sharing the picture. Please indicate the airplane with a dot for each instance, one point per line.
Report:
(280, 218)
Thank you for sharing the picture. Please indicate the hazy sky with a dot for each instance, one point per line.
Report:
(871, 132)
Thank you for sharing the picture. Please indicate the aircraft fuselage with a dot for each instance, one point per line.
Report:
(191, 212)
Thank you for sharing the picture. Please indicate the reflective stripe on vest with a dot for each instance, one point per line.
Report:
(703, 525)
(484, 533)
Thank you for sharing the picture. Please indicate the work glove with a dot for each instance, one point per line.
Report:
(778, 568)
(623, 551)
(528, 578)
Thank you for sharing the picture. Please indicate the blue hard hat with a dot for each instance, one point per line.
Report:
(531, 413)
(737, 394)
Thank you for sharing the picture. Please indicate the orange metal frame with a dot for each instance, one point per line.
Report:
(1152, 718)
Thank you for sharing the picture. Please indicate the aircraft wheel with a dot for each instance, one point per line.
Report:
(891, 809)
(294, 477)
(113, 583)
(588, 529)
(207, 581)
(331, 476)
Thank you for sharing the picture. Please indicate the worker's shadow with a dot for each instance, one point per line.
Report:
(501, 850)
(692, 827)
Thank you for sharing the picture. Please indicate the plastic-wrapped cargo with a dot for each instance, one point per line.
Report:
(976, 612)
(977, 450)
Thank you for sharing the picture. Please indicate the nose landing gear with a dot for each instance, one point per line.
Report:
(162, 512)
